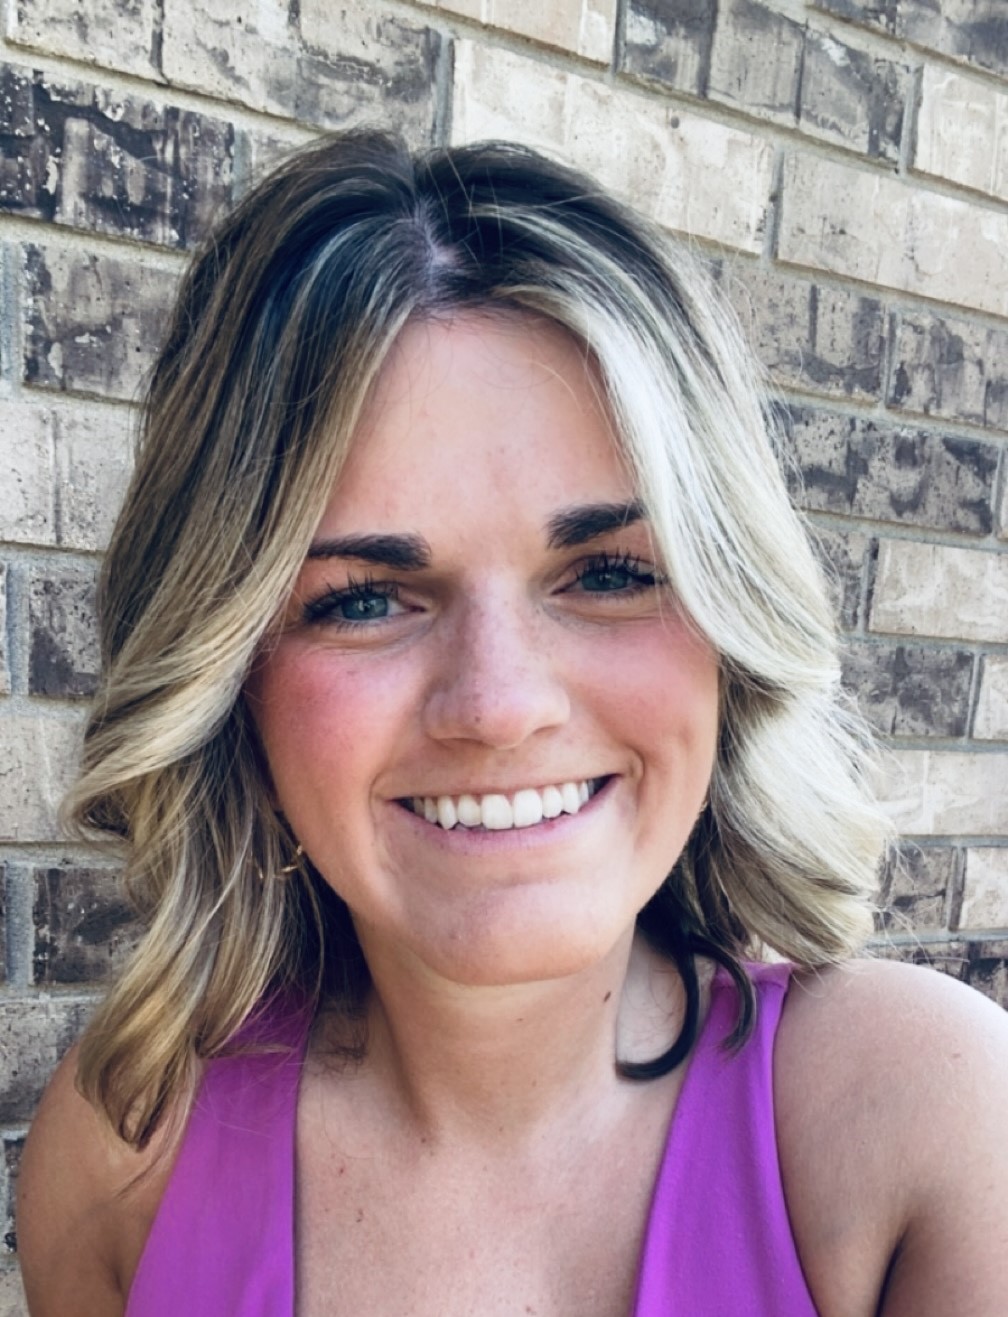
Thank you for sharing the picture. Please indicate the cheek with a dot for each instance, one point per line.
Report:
(321, 721)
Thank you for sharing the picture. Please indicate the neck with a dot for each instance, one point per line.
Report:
(506, 1064)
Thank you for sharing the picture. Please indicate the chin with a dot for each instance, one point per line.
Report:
(497, 950)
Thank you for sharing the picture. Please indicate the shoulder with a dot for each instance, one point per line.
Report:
(85, 1204)
(889, 1083)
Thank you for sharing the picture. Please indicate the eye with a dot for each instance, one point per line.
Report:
(611, 574)
(356, 604)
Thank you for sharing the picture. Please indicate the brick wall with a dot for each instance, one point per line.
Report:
(844, 165)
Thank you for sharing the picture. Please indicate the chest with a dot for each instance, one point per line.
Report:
(406, 1230)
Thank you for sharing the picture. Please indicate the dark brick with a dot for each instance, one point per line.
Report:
(34, 1033)
(72, 155)
(910, 690)
(63, 657)
(842, 553)
(92, 323)
(393, 76)
(13, 1146)
(851, 97)
(756, 59)
(853, 466)
(976, 32)
(826, 340)
(916, 886)
(3, 922)
(669, 42)
(944, 366)
(987, 970)
(84, 926)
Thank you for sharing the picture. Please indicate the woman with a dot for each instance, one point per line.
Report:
(470, 721)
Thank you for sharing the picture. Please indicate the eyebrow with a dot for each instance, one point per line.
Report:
(404, 553)
(578, 525)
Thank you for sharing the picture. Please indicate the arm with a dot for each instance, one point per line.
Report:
(953, 1253)
(891, 1086)
(82, 1213)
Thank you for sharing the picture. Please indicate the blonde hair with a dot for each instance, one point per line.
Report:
(280, 327)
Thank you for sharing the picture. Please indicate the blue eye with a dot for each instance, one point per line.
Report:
(604, 574)
(358, 604)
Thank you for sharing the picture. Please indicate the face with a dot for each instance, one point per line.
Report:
(484, 718)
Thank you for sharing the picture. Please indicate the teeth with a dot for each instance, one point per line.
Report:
(497, 813)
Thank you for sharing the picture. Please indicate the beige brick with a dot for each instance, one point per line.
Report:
(947, 793)
(27, 512)
(116, 34)
(879, 229)
(5, 677)
(94, 458)
(12, 1299)
(36, 766)
(936, 590)
(232, 50)
(985, 888)
(586, 27)
(337, 65)
(688, 173)
(991, 720)
(962, 131)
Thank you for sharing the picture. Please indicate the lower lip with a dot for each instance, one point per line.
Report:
(481, 840)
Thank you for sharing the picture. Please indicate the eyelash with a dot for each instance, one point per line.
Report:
(325, 608)
(642, 576)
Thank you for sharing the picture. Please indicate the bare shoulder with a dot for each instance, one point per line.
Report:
(889, 1089)
(85, 1204)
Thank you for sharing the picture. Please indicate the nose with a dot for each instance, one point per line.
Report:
(497, 682)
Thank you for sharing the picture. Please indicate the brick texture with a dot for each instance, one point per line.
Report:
(843, 553)
(949, 367)
(76, 156)
(35, 770)
(34, 1034)
(63, 654)
(985, 888)
(756, 58)
(117, 34)
(947, 793)
(92, 323)
(810, 336)
(84, 927)
(991, 720)
(960, 120)
(975, 31)
(910, 690)
(584, 27)
(882, 231)
(856, 467)
(13, 1146)
(938, 590)
(5, 677)
(917, 886)
(323, 64)
(663, 161)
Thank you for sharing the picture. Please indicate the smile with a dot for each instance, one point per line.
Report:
(497, 812)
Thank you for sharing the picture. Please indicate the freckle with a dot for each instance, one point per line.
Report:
(607, 996)
(360, 1215)
(342, 1170)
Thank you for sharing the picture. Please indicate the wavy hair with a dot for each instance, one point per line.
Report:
(281, 324)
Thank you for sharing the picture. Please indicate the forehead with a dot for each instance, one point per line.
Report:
(477, 410)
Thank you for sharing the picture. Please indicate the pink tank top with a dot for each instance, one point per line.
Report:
(718, 1242)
